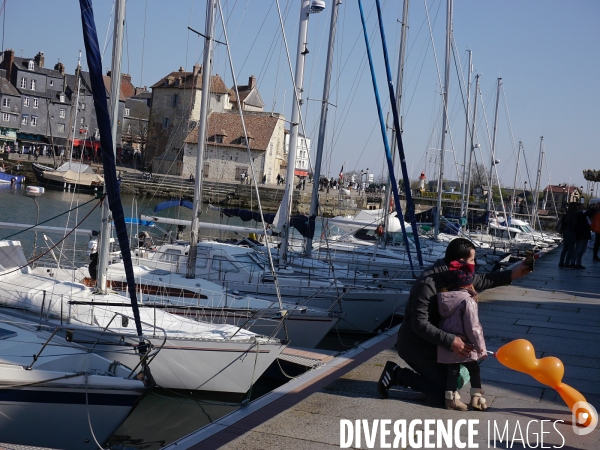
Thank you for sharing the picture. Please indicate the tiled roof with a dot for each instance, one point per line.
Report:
(7, 88)
(185, 80)
(23, 64)
(106, 80)
(558, 189)
(138, 109)
(260, 127)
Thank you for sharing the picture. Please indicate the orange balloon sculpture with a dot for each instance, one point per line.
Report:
(519, 355)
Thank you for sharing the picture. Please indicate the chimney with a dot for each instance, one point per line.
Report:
(126, 78)
(39, 59)
(60, 67)
(251, 81)
(197, 70)
(7, 62)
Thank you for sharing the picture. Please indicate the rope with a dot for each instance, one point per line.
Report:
(87, 406)
(283, 372)
(46, 221)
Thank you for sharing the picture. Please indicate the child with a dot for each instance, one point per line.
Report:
(458, 312)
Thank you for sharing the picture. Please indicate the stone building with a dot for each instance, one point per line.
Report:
(51, 110)
(10, 109)
(176, 109)
(226, 155)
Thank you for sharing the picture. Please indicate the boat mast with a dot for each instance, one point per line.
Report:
(294, 129)
(463, 211)
(438, 213)
(115, 85)
(399, 85)
(537, 184)
(202, 126)
(512, 203)
(78, 75)
(493, 161)
(314, 201)
(473, 147)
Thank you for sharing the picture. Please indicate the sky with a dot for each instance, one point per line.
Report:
(547, 53)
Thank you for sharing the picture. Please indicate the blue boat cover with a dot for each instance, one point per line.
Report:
(172, 203)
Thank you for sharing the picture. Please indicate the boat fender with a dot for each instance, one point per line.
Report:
(379, 230)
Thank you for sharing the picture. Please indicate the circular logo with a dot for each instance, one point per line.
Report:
(585, 418)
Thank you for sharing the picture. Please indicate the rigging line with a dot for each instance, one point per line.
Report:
(108, 32)
(512, 137)
(249, 52)
(276, 80)
(126, 27)
(143, 46)
(437, 68)
(237, 95)
(3, 12)
(267, 60)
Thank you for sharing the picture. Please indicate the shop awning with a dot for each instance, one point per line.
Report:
(88, 144)
(300, 173)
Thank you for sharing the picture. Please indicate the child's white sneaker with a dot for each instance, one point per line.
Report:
(453, 401)
(477, 403)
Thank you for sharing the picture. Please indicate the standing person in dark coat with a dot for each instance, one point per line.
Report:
(569, 225)
(420, 335)
(582, 235)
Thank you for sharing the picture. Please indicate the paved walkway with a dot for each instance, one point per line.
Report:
(557, 310)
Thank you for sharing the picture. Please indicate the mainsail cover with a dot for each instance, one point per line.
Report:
(172, 203)
(111, 185)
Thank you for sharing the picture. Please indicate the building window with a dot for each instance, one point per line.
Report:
(33, 121)
(51, 82)
(166, 122)
(36, 102)
(61, 127)
(219, 138)
(33, 85)
(62, 113)
(82, 120)
(174, 100)
(25, 119)
(126, 112)
(97, 134)
(23, 83)
(62, 98)
(82, 106)
(30, 66)
(6, 102)
(6, 117)
(25, 101)
(218, 97)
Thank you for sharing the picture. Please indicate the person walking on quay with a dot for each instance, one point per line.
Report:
(582, 236)
(567, 227)
(420, 333)
(595, 227)
(278, 179)
(303, 183)
(264, 181)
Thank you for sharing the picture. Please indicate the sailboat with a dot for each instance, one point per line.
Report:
(194, 355)
(47, 383)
